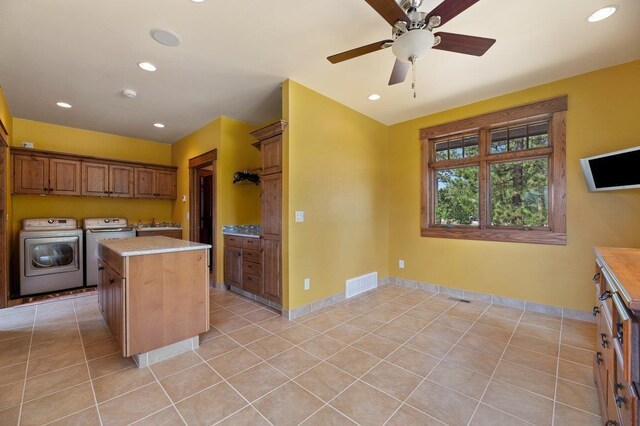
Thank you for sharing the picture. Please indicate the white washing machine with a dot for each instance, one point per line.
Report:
(101, 228)
(50, 255)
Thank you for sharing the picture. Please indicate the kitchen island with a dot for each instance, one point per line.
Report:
(153, 292)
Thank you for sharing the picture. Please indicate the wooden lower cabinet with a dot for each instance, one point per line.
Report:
(616, 364)
(272, 266)
(233, 266)
(253, 265)
(153, 300)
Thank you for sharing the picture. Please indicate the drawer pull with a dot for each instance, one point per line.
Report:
(619, 331)
(619, 399)
(598, 358)
(111, 281)
(595, 311)
(100, 268)
(605, 342)
(611, 423)
(596, 277)
(605, 295)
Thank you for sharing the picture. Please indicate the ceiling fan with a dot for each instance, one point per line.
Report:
(412, 34)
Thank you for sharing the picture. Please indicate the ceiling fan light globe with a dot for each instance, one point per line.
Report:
(412, 44)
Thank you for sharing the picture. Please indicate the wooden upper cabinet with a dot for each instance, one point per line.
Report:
(272, 204)
(120, 181)
(155, 183)
(95, 179)
(34, 174)
(166, 184)
(102, 180)
(271, 155)
(30, 174)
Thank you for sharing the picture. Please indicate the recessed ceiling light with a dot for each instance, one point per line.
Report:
(165, 37)
(198, 1)
(159, 125)
(374, 97)
(63, 105)
(602, 13)
(147, 66)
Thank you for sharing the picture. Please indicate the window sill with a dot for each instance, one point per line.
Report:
(533, 237)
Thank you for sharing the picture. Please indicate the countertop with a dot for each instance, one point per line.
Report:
(623, 266)
(150, 245)
(249, 231)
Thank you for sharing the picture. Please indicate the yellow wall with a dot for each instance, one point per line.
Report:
(337, 173)
(602, 117)
(236, 204)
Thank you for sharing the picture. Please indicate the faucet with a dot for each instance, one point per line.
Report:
(153, 222)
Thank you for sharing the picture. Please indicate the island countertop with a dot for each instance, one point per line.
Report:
(139, 246)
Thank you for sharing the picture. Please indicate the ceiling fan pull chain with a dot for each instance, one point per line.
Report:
(413, 75)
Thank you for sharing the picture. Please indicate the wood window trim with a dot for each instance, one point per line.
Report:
(552, 109)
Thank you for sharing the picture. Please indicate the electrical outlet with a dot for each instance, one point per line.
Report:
(307, 283)
(299, 216)
(401, 264)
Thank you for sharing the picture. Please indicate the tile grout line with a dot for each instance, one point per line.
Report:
(93, 391)
(494, 372)
(555, 390)
(26, 368)
(168, 397)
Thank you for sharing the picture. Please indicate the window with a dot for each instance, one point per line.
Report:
(499, 176)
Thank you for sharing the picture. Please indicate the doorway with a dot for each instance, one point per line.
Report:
(202, 204)
(4, 261)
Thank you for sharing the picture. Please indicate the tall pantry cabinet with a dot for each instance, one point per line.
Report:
(270, 144)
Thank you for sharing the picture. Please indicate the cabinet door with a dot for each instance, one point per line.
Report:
(64, 177)
(272, 204)
(272, 286)
(100, 288)
(166, 184)
(232, 266)
(271, 150)
(145, 183)
(95, 179)
(30, 174)
(118, 309)
(120, 181)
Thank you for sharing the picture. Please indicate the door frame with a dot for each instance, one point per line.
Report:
(4, 258)
(208, 159)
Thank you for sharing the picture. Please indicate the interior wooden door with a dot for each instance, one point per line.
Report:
(4, 283)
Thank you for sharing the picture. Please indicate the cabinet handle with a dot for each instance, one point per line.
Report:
(619, 399)
(111, 281)
(100, 268)
(596, 277)
(598, 358)
(605, 342)
(619, 331)
(595, 311)
(605, 295)
(611, 423)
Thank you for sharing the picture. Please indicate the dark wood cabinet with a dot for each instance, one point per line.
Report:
(111, 300)
(233, 266)
(272, 204)
(616, 364)
(272, 265)
(36, 174)
(271, 150)
(243, 263)
(155, 183)
(107, 180)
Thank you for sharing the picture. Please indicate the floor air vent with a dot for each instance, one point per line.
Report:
(361, 284)
(457, 299)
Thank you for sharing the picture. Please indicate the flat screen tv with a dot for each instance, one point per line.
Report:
(614, 170)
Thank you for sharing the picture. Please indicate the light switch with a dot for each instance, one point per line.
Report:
(299, 216)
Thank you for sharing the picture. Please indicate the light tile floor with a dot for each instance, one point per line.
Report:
(393, 356)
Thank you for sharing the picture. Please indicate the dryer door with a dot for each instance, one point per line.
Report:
(44, 256)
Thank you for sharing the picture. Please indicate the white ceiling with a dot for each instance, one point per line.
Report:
(235, 54)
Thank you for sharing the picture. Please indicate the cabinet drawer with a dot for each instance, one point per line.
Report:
(251, 243)
(625, 333)
(251, 256)
(112, 259)
(251, 283)
(252, 268)
(626, 399)
(604, 343)
(600, 377)
(233, 241)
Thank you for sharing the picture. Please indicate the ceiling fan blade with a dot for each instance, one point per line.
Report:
(399, 73)
(359, 51)
(449, 9)
(460, 43)
(389, 10)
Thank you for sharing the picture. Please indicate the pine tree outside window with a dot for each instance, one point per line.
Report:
(499, 176)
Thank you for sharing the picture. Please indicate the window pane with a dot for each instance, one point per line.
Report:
(519, 193)
(471, 146)
(442, 151)
(457, 202)
(498, 141)
(517, 138)
(538, 134)
(456, 148)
